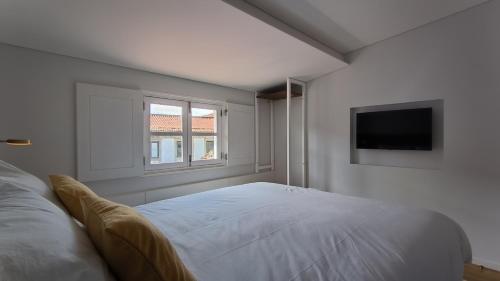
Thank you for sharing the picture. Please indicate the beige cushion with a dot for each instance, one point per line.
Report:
(70, 192)
(133, 247)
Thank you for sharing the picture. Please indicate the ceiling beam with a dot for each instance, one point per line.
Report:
(260, 14)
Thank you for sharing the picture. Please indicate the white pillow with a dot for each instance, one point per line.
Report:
(39, 241)
(15, 176)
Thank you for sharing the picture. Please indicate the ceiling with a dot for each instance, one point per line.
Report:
(245, 44)
(347, 25)
(204, 40)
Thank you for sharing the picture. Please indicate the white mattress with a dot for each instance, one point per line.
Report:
(265, 231)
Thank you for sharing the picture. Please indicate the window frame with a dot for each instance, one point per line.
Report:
(187, 104)
(147, 134)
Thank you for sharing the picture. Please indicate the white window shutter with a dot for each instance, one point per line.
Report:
(241, 134)
(109, 132)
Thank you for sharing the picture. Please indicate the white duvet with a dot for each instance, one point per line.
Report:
(265, 231)
(39, 241)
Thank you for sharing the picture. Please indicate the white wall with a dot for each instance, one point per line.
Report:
(37, 101)
(280, 140)
(295, 141)
(456, 59)
(264, 117)
(139, 198)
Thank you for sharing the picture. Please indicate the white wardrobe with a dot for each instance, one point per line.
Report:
(281, 142)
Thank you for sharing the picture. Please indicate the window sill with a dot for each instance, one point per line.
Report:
(173, 171)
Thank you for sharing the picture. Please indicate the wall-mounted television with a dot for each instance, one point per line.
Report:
(406, 129)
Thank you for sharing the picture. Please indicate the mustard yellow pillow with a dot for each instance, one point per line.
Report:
(133, 247)
(70, 191)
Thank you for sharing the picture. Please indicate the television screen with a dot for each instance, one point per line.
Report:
(407, 129)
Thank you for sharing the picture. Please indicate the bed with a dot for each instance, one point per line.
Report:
(265, 231)
(257, 231)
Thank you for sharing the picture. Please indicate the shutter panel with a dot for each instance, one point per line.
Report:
(241, 134)
(109, 132)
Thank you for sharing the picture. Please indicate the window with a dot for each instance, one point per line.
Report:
(155, 150)
(209, 145)
(182, 134)
(179, 149)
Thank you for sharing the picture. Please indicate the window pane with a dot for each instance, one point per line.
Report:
(204, 148)
(169, 149)
(165, 119)
(203, 120)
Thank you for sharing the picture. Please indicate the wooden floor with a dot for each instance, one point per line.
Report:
(474, 272)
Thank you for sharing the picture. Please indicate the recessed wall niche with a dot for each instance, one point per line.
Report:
(420, 159)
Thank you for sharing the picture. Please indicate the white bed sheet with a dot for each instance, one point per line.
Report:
(265, 231)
